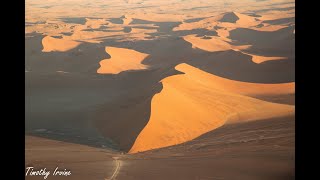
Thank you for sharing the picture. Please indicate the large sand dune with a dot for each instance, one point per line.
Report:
(121, 60)
(193, 103)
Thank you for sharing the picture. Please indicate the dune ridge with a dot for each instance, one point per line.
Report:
(122, 60)
(196, 102)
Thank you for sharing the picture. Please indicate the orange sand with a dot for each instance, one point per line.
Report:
(122, 60)
(196, 102)
(53, 44)
(214, 44)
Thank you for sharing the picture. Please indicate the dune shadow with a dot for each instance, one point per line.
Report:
(76, 20)
(280, 21)
(237, 66)
(115, 20)
(194, 20)
(274, 9)
(83, 59)
(274, 43)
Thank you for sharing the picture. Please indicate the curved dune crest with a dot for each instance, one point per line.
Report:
(122, 60)
(61, 45)
(238, 87)
(194, 103)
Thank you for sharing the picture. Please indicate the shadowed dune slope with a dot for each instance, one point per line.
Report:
(121, 60)
(238, 66)
(61, 45)
(194, 103)
(276, 43)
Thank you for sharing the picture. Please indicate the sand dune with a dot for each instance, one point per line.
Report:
(122, 60)
(211, 44)
(225, 20)
(95, 23)
(259, 148)
(224, 23)
(192, 104)
(126, 19)
(255, 147)
(53, 44)
(260, 59)
(236, 18)
(238, 87)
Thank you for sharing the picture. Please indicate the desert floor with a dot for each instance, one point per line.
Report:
(159, 89)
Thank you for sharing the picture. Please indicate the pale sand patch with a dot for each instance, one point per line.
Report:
(122, 60)
(190, 105)
(212, 45)
(260, 59)
(61, 45)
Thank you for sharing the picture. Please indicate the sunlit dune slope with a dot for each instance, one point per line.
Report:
(121, 60)
(226, 85)
(260, 59)
(197, 102)
(61, 45)
(237, 18)
(213, 44)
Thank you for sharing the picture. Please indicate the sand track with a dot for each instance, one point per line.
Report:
(117, 169)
